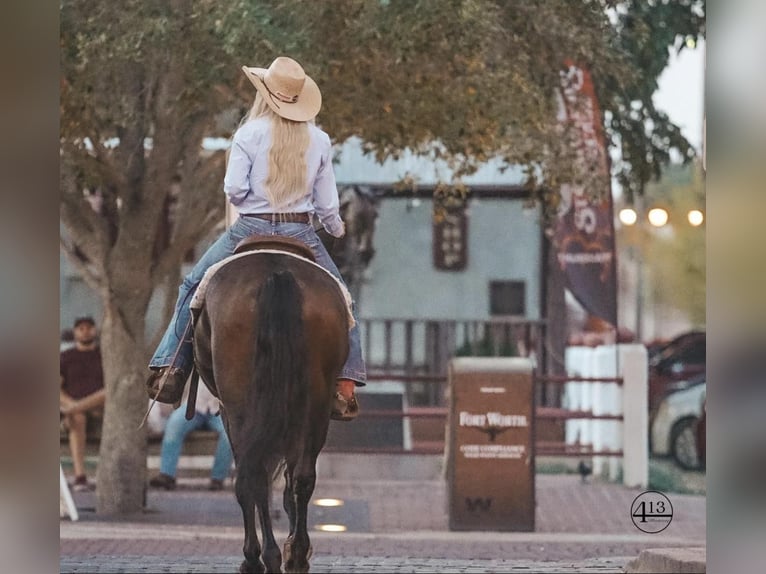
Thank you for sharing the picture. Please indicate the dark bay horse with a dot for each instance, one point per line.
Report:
(270, 342)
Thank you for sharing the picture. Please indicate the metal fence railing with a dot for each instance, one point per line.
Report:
(438, 414)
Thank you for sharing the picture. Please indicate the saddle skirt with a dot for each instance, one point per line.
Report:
(278, 242)
(198, 299)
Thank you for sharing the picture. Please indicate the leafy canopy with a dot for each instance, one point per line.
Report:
(459, 79)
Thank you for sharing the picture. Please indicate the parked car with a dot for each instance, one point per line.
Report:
(675, 426)
(675, 364)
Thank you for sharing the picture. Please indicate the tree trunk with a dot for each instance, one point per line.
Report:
(121, 475)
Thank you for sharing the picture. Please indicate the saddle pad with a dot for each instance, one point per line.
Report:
(198, 300)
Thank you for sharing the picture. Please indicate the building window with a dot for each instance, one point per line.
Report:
(507, 298)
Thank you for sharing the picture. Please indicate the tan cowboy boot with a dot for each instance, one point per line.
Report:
(346, 407)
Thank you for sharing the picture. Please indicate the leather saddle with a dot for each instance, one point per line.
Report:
(276, 242)
(251, 243)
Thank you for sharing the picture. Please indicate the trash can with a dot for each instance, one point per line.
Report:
(490, 461)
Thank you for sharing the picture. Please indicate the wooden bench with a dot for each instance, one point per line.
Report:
(200, 442)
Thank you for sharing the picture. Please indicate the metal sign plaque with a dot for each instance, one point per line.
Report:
(450, 240)
(491, 457)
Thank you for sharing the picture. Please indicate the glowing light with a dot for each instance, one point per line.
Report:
(328, 502)
(691, 43)
(628, 216)
(658, 216)
(331, 527)
(696, 217)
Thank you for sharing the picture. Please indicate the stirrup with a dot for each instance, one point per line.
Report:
(344, 409)
(166, 385)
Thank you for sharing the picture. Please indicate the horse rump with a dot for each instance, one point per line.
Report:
(278, 395)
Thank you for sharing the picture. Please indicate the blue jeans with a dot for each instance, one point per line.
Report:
(173, 439)
(354, 368)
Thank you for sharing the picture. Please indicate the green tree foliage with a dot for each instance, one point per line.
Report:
(647, 30)
(470, 79)
(144, 81)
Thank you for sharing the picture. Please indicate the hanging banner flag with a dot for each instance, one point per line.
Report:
(584, 229)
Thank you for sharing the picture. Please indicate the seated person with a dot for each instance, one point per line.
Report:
(82, 394)
(206, 417)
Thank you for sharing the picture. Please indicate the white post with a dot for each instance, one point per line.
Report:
(586, 397)
(574, 359)
(599, 407)
(66, 504)
(635, 424)
(605, 365)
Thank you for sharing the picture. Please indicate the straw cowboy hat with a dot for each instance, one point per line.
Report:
(287, 89)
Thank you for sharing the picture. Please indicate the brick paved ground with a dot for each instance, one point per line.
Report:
(393, 526)
(375, 564)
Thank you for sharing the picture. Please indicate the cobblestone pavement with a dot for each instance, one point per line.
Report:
(392, 526)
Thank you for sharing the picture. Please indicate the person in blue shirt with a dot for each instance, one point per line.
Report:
(279, 174)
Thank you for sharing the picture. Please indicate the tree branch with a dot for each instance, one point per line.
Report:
(85, 227)
(92, 277)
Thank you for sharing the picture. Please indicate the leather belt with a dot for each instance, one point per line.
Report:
(281, 217)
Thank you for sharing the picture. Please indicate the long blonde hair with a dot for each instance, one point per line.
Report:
(287, 155)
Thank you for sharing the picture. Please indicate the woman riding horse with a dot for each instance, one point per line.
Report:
(271, 338)
(279, 173)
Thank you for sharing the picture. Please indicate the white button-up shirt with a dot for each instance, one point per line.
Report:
(248, 169)
(206, 403)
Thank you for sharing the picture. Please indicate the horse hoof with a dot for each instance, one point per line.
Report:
(248, 567)
(294, 568)
(273, 560)
(291, 564)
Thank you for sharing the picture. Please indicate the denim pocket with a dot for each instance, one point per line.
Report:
(305, 233)
(247, 226)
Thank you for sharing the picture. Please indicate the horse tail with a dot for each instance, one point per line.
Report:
(278, 395)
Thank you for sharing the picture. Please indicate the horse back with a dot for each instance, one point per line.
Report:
(226, 332)
(233, 290)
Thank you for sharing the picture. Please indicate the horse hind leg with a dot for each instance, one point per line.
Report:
(288, 502)
(297, 549)
(270, 555)
(251, 549)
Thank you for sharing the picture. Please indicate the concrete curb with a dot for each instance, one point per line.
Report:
(669, 561)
